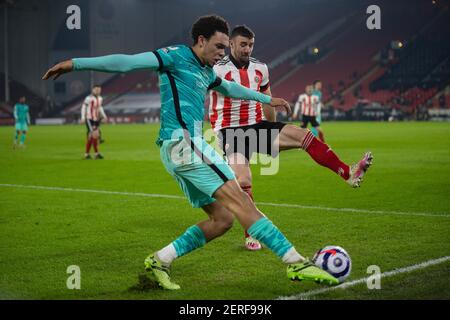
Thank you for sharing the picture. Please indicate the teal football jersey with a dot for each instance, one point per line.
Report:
(21, 112)
(318, 93)
(184, 81)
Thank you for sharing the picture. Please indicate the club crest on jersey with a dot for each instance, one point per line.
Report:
(257, 79)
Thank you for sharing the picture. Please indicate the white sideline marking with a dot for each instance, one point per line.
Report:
(345, 285)
(150, 195)
(168, 196)
(427, 214)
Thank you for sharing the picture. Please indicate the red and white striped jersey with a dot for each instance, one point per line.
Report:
(92, 108)
(308, 105)
(227, 112)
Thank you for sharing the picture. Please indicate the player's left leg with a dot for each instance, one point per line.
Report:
(316, 125)
(100, 137)
(22, 137)
(219, 222)
(241, 168)
(293, 137)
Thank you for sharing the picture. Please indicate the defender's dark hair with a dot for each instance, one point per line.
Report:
(96, 86)
(243, 31)
(208, 25)
(315, 82)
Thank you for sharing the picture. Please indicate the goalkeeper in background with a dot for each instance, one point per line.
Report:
(22, 119)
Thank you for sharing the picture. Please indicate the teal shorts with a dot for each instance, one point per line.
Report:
(21, 126)
(199, 169)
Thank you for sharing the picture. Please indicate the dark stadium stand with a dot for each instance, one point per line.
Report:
(422, 68)
(356, 65)
(37, 104)
(352, 55)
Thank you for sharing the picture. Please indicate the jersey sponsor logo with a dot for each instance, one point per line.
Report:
(167, 49)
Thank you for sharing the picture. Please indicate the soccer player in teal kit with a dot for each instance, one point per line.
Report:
(317, 91)
(185, 75)
(22, 119)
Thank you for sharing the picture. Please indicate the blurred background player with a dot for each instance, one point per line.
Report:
(92, 113)
(317, 91)
(22, 119)
(307, 104)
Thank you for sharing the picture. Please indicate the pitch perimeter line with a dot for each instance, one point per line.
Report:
(287, 205)
(345, 285)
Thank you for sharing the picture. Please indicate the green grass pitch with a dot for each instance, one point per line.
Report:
(42, 232)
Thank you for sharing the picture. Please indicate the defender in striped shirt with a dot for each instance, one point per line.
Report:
(92, 113)
(309, 104)
(247, 127)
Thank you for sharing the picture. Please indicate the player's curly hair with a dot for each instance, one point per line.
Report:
(243, 31)
(208, 25)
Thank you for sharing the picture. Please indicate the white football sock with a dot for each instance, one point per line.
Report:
(292, 256)
(167, 254)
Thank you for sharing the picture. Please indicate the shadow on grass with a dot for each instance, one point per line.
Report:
(144, 284)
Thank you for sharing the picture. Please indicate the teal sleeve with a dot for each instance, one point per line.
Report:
(118, 62)
(234, 90)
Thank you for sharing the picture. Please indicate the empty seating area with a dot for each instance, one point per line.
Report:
(415, 63)
(353, 52)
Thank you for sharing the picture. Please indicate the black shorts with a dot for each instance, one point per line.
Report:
(306, 119)
(246, 140)
(91, 125)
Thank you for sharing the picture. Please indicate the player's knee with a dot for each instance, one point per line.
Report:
(301, 133)
(238, 199)
(226, 222)
(244, 181)
(235, 199)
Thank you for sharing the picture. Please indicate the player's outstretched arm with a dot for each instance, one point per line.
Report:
(237, 91)
(115, 63)
(269, 112)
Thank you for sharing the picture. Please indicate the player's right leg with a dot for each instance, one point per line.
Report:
(320, 133)
(292, 137)
(206, 181)
(199, 181)
(90, 129)
(16, 137)
(22, 138)
(158, 264)
(304, 122)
